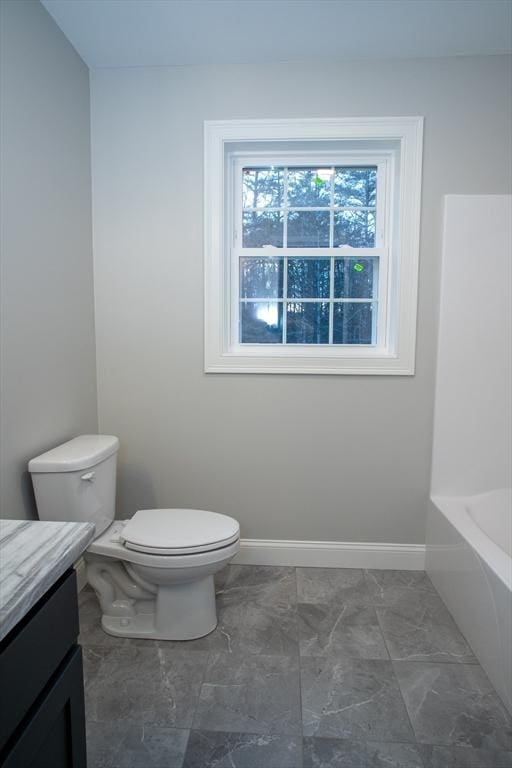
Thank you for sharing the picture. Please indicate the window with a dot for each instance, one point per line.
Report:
(311, 245)
(307, 253)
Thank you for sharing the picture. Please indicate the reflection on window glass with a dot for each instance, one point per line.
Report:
(355, 278)
(309, 278)
(308, 229)
(261, 322)
(260, 229)
(355, 187)
(261, 278)
(307, 322)
(309, 187)
(263, 187)
(354, 228)
(353, 323)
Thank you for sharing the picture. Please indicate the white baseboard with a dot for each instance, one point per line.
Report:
(318, 554)
(331, 554)
(81, 578)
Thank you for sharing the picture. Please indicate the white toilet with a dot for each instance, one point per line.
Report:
(153, 574)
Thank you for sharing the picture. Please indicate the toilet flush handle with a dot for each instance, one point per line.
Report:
(88, 476)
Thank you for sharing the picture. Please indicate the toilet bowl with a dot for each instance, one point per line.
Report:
(167, 595)
(153, 574)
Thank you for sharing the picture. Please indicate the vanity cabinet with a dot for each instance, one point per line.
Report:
(42, 720)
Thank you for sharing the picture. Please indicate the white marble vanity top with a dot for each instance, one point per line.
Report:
(33, 555)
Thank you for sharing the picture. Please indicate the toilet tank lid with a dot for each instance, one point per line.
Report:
(80, 453)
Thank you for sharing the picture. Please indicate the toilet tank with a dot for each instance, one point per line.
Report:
(76, 481)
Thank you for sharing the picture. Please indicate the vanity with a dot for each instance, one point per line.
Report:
(42, 720)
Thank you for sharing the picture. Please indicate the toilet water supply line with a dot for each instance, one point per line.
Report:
(100, 578)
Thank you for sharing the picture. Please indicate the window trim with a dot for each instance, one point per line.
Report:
(225, 137)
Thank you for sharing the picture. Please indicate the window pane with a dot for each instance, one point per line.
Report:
(307, 323)
(353, 323)
(355, 278)
(261, 278)
(308, 229)
(309, 187)
(308, 278)
(355, 186)
(261, 322)
(261, 229)
(263, 187)
(354, 228)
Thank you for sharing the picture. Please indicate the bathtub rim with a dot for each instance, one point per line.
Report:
(454, 508)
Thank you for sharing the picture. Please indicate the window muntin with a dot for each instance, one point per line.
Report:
(320, 217)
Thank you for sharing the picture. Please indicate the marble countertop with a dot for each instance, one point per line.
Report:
(33, 555)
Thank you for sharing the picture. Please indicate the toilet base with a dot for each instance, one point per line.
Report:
(182, 611)
(156, 597)
(142, 626)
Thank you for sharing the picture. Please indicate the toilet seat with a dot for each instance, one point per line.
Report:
(111, 545)
(179, 531)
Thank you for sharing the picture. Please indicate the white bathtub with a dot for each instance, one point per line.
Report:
(469, 543)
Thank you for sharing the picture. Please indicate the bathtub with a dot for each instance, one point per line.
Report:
(469, 559)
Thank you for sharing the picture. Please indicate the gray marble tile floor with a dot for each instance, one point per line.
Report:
(308, 668)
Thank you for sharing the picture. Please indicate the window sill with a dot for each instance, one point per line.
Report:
(369, 364)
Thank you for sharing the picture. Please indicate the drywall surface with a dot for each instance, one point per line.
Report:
(48, 389)
(472, 450)
(292, 457)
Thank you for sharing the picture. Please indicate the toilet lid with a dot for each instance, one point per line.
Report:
(179, 531)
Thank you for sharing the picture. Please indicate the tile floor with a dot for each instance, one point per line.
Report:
(308, 668)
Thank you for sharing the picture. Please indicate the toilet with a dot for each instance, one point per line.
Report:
(152, 574)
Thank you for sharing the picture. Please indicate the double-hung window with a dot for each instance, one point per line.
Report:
(306, 251)
(311, 245)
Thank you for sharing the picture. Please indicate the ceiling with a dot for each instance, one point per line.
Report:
(129, 33)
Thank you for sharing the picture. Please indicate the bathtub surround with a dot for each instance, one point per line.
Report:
(48, 377)
(342, 693)
(468, 522)
(472, 448)
(294, 458)
(33, 555)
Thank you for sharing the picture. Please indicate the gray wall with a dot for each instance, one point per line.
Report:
(48, 387)
(293, 457)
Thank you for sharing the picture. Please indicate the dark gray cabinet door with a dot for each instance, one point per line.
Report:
(53, 734)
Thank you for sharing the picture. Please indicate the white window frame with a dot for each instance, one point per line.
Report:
(397, 237)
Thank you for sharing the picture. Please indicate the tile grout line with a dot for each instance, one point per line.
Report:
(374, 606)
(299, 656)
(416, 742)
(395, 676)
(186, 748)
(396, 679)
(392, 606)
